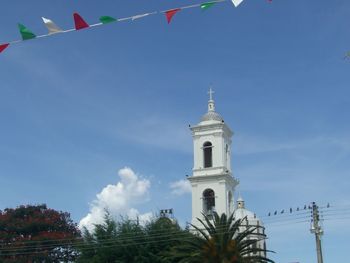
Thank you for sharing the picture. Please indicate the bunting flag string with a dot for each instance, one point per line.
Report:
(140, 16)
(107, 19)
(207, 5)
(170, 13)
(3, 47)
(236, 2)
(25, 32)
(51, 26)
(80, 23)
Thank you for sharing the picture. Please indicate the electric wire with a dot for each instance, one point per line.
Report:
(105, 242)
(163, 238)
(286, 220)
(126, 237)
(123, 238)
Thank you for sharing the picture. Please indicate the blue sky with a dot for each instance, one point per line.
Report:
(78, 107)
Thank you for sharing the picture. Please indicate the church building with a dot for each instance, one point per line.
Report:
(212, 181)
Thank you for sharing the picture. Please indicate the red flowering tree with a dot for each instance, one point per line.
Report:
(37, 234)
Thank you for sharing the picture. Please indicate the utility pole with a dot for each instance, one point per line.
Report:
(317, 230)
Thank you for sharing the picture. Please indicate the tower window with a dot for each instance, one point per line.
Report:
(208, 201)
(208, 154)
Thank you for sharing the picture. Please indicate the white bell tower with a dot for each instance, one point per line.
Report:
(212, 182)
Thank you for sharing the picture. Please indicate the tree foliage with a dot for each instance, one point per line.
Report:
(129, 241)
(38, 234)
(220, 241)
(35, 233)
(163, 241)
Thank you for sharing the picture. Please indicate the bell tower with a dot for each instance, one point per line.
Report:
(212, 181)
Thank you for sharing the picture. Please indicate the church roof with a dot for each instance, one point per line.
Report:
(212, 116)
(240, 199)
(241, 212)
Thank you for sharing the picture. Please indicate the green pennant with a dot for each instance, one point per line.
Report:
(25, 32)
(207, 5)
(107, 19)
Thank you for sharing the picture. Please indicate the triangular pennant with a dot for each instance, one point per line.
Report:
(79, 22)
(205, 6)
(107, 19)
(25, 32)
(236, 2)
(170, 13)
(3, 47)
(51, 26)
(138, 16)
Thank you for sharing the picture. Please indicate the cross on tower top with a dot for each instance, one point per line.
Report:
(211, 105)
(210, 92)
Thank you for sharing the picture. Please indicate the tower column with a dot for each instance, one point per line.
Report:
(212, 181)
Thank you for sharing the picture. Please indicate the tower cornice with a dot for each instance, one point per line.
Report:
(226, 177)
(209, 127)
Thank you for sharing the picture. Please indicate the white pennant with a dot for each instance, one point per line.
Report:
(51, 26)
(236, 2)
(138, 16)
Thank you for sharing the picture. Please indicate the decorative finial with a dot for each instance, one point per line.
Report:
(210, 92)
(240, 200)
(211, 105)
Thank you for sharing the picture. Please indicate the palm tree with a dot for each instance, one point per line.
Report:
(221, 241)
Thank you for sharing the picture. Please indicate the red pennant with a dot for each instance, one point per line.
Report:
(3, 47)
(79, 22)
(170, 13)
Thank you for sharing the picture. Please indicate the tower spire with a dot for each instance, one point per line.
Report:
(211, 104)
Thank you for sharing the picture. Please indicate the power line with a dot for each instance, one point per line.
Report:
(287, 219)
(122, 237)
(162, 238)
(106, 243)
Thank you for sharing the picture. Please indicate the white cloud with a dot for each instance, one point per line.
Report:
(119, 199)
(180, 187)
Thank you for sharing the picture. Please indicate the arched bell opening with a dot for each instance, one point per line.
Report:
(208, 154)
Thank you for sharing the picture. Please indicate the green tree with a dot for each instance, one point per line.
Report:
(35, 233)
(220, 241)
(128, 241)
(163, 234)
(100, 245)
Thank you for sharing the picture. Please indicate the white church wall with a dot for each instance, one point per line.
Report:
(198, 189)
(218, 177)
